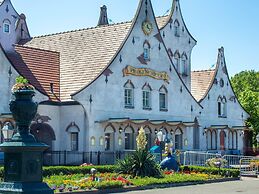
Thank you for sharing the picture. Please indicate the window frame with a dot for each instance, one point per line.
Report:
(146, 97)
(129, 95)
(6, 22)
(146, 49)
(176, 28)
(163, 91)
(74, 142)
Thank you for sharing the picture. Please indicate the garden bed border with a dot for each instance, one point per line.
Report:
(155, 186)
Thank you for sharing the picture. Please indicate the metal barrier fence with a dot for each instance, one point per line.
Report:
(200, 158)
(66, 158)
(249, 167)
(58, 158)
(197, 158)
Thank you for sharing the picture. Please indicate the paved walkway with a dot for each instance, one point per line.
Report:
(247, 186)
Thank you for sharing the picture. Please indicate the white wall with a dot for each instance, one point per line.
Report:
(183, 44)
(108, 99)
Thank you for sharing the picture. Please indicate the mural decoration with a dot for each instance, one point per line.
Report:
(129, 70)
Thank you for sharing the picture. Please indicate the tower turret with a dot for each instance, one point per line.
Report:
(179, 42)
(13, 27)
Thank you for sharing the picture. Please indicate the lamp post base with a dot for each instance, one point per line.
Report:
(23, 168)
(24, 188)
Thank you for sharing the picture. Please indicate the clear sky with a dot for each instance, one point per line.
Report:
(233, 24)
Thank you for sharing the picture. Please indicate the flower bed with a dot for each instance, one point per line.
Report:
(61, 183)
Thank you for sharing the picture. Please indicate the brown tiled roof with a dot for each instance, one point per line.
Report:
(39, 67)
(84, 53)
(200, 83)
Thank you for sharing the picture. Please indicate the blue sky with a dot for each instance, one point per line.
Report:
(233, 24)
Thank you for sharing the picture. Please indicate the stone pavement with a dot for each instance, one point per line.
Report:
(246, 186)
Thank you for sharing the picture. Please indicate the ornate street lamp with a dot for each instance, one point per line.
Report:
(7, 131)
(23, 155)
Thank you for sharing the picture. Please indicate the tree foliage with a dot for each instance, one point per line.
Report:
(246, 87)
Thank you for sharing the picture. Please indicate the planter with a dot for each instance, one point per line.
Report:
(24, 110)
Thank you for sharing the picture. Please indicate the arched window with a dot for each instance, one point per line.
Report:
(177, 61)
(92, 141)
(176, 28)
(222, 140)
(129, 95)
(6, 26)
(163, 98)
(235, 140)
(146, 47)
(209, 138)
(178, 139)
(230, 140)
(214, 140)
(222, 106)
(146, 96)
(184, 65)
(74, 130)
(109, 137)
(129, 138)
(101, 141)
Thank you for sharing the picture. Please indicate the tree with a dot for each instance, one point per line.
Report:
(246, 87)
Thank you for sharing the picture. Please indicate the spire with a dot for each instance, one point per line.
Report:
(103, 20)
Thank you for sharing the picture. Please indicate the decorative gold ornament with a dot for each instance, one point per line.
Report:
(147, 27)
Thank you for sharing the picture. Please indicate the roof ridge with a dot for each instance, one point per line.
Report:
(203, 70)
(83, 29)
(39, 49)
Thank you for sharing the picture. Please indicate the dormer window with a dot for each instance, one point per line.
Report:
(146, 47)
(177, 61)
(222, 107)
(176, 28)
(129, 95)
(6, 26)
(184, 67)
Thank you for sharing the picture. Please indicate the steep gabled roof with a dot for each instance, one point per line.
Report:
(84, 53)
(39, 67)
(176, 5)
(200, 82)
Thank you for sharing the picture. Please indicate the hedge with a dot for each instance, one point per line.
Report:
(208, 170)
(67, 170)
(56, 170)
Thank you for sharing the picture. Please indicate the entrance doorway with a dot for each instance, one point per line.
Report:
(45, 134)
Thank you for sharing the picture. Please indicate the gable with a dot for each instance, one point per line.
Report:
(200, 83)
(155, 72)
(39, 67)
(220, 87)
(85, 53)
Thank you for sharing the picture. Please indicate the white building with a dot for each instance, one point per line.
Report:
(96, 87)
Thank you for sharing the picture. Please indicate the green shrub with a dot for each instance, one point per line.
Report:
(212, 162)
(214, 171)
(67, 170)
(109, 185)
(140, 163)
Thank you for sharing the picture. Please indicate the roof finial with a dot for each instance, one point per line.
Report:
(103, 20)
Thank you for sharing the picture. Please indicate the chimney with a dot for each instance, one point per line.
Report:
(103, 20)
